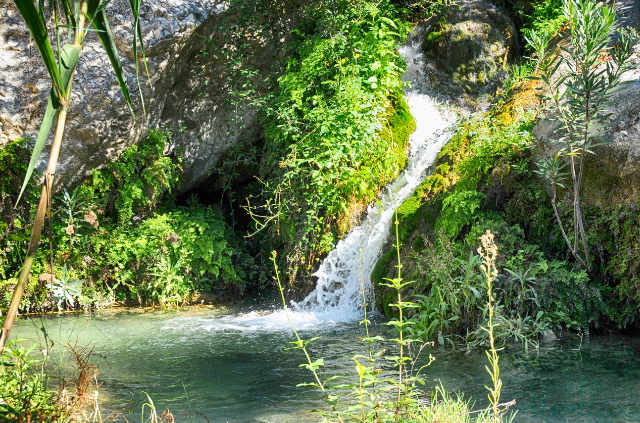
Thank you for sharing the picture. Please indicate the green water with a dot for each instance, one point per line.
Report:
(234, 368)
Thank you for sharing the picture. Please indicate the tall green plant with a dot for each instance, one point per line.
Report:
(80, 17)
(579, 82)
(489, 254)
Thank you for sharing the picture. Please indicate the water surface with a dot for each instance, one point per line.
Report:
(233, 367)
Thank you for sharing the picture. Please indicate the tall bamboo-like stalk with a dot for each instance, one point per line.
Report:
(78, 14)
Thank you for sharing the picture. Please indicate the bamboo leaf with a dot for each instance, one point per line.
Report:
(69, 60)
(137, 37)
(45, 128)
(98, 18)
(69, 13)
(38, 31)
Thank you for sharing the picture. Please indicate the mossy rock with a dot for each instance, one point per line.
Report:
(472, 47)
(396, 133)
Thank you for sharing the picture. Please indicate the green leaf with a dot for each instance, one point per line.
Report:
(389, 22)
(45, 129)
(98, 18)
(137, 37)
(38, 30)
(69, 60)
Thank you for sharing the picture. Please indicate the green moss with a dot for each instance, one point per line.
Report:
(401, 123)
(381, 269)
(434, 38)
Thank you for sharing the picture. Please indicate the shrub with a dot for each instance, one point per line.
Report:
(135, 182)
(325, 148)
(170, 254)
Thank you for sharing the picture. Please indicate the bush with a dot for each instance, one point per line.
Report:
(170, 254)
(484, 180)
(15, 218)
(326, 148)
(112, 242)
(24, 392)
(137, 180)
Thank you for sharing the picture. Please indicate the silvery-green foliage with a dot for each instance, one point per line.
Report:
(579, 83)
(65, 289)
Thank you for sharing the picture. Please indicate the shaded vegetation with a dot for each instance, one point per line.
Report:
(112, 236)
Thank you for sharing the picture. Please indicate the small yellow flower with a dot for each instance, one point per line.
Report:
(344, 60)
(357, 55)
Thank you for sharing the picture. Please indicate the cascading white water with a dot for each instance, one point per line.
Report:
(338, 297)
(338, 293)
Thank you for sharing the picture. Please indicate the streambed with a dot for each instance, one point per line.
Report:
(233, 367)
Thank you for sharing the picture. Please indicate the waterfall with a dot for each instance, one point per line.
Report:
(338, 293)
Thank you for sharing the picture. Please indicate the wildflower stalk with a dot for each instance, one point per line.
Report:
(399, 266)
(489, 252)
(302, 345)
(400, 324)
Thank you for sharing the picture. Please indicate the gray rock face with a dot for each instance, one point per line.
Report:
(470, 49)
(612, 176)
(188, 92)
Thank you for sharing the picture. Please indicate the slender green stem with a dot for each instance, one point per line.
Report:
(45, 199)
(400, 318)
(286, 312)
(299, 341)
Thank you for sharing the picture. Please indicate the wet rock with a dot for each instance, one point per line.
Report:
(470, 49)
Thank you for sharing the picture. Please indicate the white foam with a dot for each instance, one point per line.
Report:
(275, 321)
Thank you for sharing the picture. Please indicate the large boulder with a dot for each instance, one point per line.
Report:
(189, 93)
(471, 47)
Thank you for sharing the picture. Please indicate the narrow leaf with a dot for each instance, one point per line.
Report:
(98, 18)
(68, 62)
(52, 109)
(137, 35)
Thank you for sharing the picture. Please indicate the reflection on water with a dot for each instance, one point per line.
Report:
(235, 369)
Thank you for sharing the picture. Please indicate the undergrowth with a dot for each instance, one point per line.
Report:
(336, 128)
(115, 239)
(384, 388)
(484, 180)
